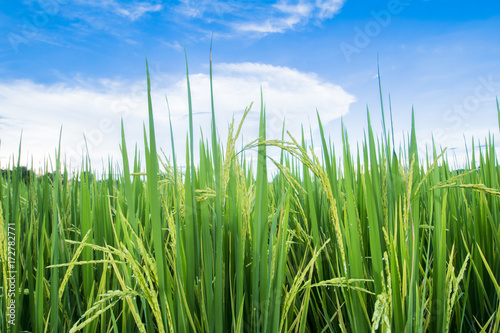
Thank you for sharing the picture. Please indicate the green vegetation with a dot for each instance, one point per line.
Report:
(377, 239)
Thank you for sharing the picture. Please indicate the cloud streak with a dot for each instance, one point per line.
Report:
(132, 10)
(286, 15)
(137, 10)
(261, 19)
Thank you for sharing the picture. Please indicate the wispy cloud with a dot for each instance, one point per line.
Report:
(270, 25)
(132, 10)
(135, 11)
(207, 9)
(85, 19)
(68, 21)
(174, 45)
(326, 9)
(265, 18)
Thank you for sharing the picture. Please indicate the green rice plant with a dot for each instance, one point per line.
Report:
(367, 240)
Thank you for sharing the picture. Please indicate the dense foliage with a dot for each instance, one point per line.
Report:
(378, 239)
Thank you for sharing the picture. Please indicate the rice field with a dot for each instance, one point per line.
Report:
(372, 239)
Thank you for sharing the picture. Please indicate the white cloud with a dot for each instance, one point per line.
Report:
(93, 11)
(286, 15)
(136, 10)
(174, 45)
(261, 18)
(132, 10)
(269, 26)
(288, 94)
(328, 8)
(41, 116)
(301, 9)
(116, 18)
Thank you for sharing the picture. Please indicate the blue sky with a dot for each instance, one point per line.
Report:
(80, 65)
